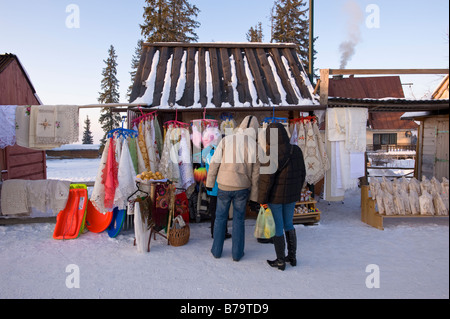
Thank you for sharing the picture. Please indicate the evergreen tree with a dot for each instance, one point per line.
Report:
(255, 34)
(134, 66)
(290, 24)
(110, 94)
(87, 134)
(170, 21)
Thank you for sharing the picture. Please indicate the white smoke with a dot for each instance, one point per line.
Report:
(354, 23)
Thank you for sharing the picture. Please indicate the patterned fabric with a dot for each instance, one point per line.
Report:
(161, 206)
(182, 206)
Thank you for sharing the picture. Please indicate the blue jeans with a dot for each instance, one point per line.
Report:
(224, 200)
(283, 215)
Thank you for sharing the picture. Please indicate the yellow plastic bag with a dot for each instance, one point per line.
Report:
(265, 224)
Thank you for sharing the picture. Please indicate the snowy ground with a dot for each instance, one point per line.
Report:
(412, 256)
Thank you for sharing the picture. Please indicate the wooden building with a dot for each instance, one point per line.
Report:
(16, 89)
(433, 138)
(385, 130)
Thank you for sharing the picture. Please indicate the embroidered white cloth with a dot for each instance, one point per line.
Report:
(7, 125)
(32, 143)
(23, 125)
(312, 156)
(57, 124)
(126, 177)
(349, 125)
(336, 118)
(355, 131)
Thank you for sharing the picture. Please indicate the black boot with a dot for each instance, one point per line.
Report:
(279, 243)
(291, 239)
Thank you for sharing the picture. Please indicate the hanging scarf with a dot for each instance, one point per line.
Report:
(110, 176)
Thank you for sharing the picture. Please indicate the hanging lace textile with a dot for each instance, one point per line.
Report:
(312, 157)
(141, 223)
(307, 136)
(23, 125)
(98, 192)
(347, 134)
(149, 141)
(52, 126)
(7, 125)
(34, 198)
(126, 178)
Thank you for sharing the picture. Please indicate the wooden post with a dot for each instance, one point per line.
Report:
(324, 82)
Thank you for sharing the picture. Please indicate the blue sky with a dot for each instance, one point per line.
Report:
(65, 64)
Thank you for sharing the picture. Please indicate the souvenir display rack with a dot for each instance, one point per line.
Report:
(305, 210)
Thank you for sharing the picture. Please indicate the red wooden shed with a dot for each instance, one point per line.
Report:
(16, 89)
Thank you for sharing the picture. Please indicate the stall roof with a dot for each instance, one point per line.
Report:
(391, 105)
(225, 75)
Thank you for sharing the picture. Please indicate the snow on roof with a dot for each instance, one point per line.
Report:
(221, 74)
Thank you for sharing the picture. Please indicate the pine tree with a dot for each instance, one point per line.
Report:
(255, 34)
(290, 24)
(110, 94)
(134, 66)
(87, 134)
(170, 21)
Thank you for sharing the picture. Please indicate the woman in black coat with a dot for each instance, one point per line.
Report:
(281, 190)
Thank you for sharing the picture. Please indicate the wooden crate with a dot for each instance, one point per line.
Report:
(370, 216)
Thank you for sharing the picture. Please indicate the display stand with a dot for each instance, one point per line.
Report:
(309, 218)
(150, 189)
(370, 216)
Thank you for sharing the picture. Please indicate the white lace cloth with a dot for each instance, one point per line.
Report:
(126, 177)
(98, 192)
(7, 125)
(45, 196)
(23, 125)
(57, 124)
(313, 158)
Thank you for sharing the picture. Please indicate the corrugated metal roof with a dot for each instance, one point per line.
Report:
(221, 75)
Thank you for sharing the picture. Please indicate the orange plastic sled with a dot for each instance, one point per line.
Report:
(97, 222)
(69, 221)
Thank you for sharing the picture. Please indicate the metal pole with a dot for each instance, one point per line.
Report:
(311, 41)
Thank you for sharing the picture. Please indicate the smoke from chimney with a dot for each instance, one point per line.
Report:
(354, 23)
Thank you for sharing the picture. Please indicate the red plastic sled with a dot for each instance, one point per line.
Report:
(97, 222)
(69, 221)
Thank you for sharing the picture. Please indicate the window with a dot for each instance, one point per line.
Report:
(385, 139)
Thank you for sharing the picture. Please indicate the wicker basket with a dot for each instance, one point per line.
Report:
(179, 236)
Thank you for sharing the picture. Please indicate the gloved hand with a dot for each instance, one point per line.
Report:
(254, 206)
